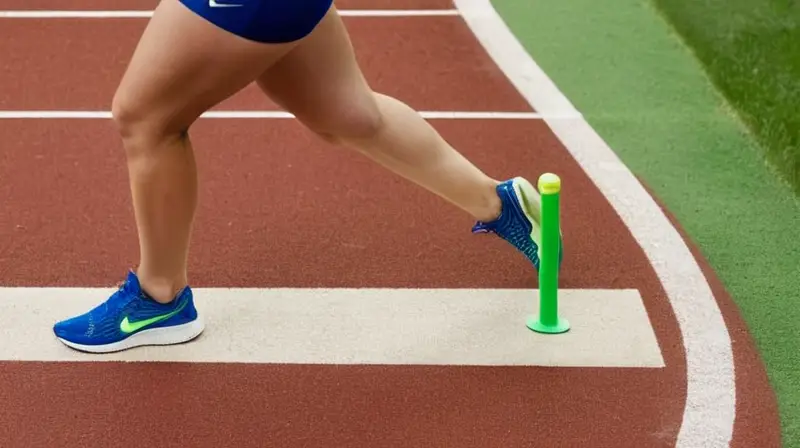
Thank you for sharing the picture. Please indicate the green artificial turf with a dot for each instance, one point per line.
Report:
(751, 51)
(642, 88)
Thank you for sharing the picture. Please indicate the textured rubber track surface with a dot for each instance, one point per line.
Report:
(150, 4)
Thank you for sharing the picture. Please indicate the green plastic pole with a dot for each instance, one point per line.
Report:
(548, 320)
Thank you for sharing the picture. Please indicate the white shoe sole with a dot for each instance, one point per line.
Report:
(177, 334)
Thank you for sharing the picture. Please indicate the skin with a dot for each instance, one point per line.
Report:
(167, 85)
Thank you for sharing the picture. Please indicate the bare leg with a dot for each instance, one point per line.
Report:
(182, 66)
(408, 145)
(321, 83)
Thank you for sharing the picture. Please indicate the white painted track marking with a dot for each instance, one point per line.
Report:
(711, 394)
(276, 114)
(359, 326)
(140, 14)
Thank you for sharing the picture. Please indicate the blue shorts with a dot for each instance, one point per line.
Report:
(267, 21)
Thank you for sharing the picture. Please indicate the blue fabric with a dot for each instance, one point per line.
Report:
(102, 324)
(267, 21)
(513, 226)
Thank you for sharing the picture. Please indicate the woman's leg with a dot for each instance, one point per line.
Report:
(182, 66)
(321, 83)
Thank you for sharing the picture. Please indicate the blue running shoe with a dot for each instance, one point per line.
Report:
(519, 222)
(129, 318)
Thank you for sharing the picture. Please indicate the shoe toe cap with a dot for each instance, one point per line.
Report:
(73, 329)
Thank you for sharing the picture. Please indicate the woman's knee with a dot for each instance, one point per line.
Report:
(142, 126)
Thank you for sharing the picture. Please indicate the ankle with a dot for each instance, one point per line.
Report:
(490, 205)
(161, 289)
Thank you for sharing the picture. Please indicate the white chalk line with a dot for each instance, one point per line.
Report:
(389, 326)
(710, 407)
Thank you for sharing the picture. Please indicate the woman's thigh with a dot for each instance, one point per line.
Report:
(321, 83)
(193, 54)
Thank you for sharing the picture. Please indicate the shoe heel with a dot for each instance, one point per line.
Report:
(530, 201)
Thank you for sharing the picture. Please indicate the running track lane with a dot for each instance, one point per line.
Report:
(443, 49)
(136, 5)
(259, 226)
(347, 405)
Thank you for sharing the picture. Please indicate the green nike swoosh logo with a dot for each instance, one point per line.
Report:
(126, 326)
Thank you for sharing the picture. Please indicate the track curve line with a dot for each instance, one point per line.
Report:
(709, 414)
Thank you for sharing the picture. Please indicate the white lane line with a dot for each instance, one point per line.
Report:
(359, 326)
(711, 394)
(434, 115)
(398, 12)
(137, 14)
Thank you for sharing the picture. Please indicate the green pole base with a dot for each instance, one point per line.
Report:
(561, 326)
